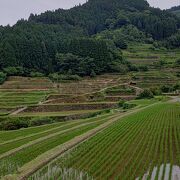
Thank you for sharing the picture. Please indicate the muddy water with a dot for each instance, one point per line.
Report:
(166, 169)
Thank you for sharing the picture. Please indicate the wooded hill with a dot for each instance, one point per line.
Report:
(84, 40)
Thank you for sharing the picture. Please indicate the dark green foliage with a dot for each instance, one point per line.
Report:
(100, 26)
(93, 74)
(156, 91)
(143, 68)
(177, 62)
(173, 41)
(167, 89)
(14, 71)
(146, 94)
(128, 106)
(36, 74)
(13, 124)
(121, 103)
(3, 77)
(62, 77)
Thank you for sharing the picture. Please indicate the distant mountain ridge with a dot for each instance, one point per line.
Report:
(175, 10)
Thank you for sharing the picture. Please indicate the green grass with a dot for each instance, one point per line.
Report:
(16, 99)
(54, 114)
(127, 149)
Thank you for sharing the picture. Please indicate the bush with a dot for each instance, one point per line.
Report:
(93, 74)
(143, 68)
(177, 62)
(167, 89)
(146, 94)
(2, 77)
(156, 91)
(177, 86)
(36, 74)
(61, 77)
(14, 71)
(128, 106)
(41, 121)
(121, 103)
(13, 124)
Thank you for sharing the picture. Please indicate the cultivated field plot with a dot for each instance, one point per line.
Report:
(144, 55)
(21, 146)
(155, 78)
(15, 83)
(90, 85)
(143, 145)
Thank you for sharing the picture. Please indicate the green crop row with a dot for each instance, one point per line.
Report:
(11, 163)
(130, 148)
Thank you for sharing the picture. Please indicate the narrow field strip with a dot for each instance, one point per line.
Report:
(6, 136)
(144, 145)
(41, 139)
(18, 143)
(55, 127)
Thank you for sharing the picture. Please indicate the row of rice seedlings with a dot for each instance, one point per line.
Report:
(132, 151)
(13, 135)
(110, 164)
(153, 159)
(19, 142)
(126, 151)
(170, 141)
(95, 158)
(106, 151)
(152, 150)
(85, 146)
(25, 155)
(144, 150)
(104, 145)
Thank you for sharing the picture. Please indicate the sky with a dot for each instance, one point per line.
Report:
(13, 10)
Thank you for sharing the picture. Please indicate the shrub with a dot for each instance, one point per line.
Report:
(2, 77)
(41, 121)
(167, 88)
(14, 71)
(146, 94)
(36, 74)
(93, 74)
(61, 77)
(128, 106)
(156, 91)
(13, 124)
(177, 86)
(121, 103)
(177, 62)
(143, 68)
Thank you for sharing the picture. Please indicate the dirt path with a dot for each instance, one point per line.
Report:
(19, 110)
(175, 99)
(31, 167)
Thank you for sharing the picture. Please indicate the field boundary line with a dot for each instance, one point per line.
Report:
(28, 169)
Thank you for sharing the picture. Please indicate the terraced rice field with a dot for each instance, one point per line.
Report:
(144, 55)
(155, 78)
(144, 145)
(21, 146)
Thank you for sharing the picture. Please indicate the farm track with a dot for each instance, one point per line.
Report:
(43, 159)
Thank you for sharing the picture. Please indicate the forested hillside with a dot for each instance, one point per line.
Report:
(175, 10)
(84, 40)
